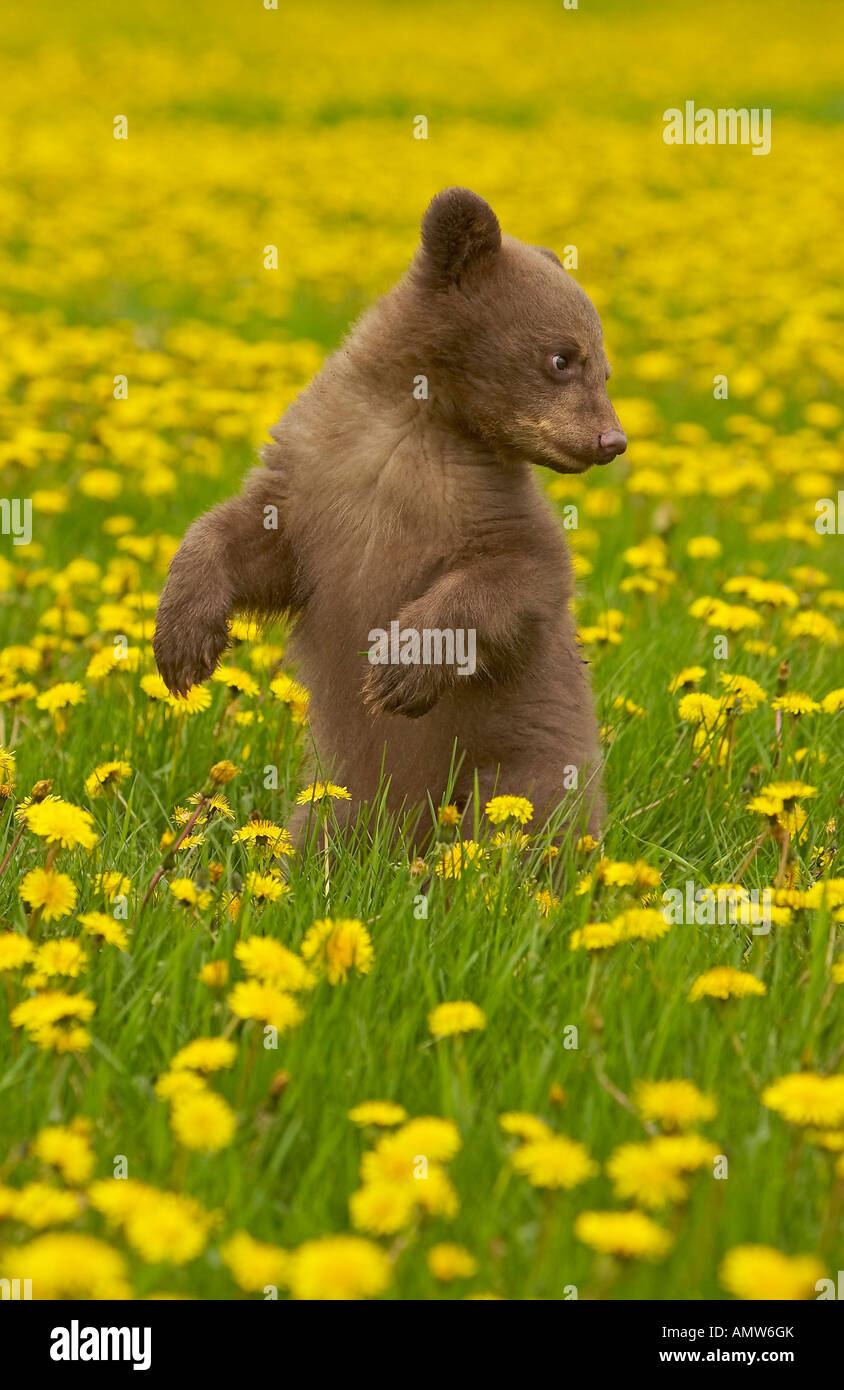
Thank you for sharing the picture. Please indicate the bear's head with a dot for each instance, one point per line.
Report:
(517, 343)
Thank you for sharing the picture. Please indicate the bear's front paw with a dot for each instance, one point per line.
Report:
(408, 690)
(188, 655)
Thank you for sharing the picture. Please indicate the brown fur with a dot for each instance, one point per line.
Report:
(429, 512)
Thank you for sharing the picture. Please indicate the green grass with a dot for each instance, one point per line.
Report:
(293, 1164)
(294, 1161)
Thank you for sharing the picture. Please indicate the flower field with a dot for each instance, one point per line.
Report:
(504, 1069)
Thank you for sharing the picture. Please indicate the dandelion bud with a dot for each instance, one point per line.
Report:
(223, 772)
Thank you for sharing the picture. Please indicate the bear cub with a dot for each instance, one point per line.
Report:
(397, 519)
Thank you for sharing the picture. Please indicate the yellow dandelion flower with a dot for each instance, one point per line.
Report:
(805, 1098)
(524, 1125)
(761, 1272)
(685, 1151)
(102, 925)
(630, 707)
(618, 873)
(382, 1208)
(223, 772)
(67, 1148)
(640, 924)
(701, 709)
(205, 1054)
(554, 1161)
(61, 956)
(292, 694)
(545, 901)
(112, 885)
(61, 823)
(448, 1262)
(630, 1234)
(674, 1104)
(337, 946)
(17, 692)
(237, 681)
(39, 1205)
(251, 999)
(268, 960)
(688, 676)
(196, 699)
(214, 973)
(61, 697)
(266, 888)
(746, 692)
(7, 767)
(254, 1265)
(186, 893)
(502, 808)
(171, 1085)
(263, 835)
(15, 950)
(457, 1016)
(725, 982)
(154, 687)
(595, 936)
(69, 1266)
(464, 854)
(788, 791)
(50, 1007)
(322, 791)
(338, 1267)
(816, 625)
(47, 891)
(641, 1174)
(765, 805)
(377, 1112)
(107, 776)
(167, 1227)
(703, 548)
(795, 703)
(202, 1120)
(431, 1135)
(117, 1198)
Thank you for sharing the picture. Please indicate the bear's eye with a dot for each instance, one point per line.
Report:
(558, 362)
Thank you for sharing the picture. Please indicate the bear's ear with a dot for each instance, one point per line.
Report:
(459, 231)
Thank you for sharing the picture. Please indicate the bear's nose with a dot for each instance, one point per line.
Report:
(611, 443)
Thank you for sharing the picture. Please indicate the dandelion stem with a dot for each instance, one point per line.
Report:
(162, 868)
(12, 847)
(785, 845)
(759, 842)
(619, 1096)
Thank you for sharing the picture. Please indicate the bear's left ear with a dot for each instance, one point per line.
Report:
(459, 232)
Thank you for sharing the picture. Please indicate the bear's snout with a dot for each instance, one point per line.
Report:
(610, 444)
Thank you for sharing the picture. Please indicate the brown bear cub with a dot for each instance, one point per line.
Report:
(398, 520)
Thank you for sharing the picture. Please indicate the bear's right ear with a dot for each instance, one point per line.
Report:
(459, 232)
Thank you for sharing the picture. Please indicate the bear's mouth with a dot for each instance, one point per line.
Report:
(566, 461)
